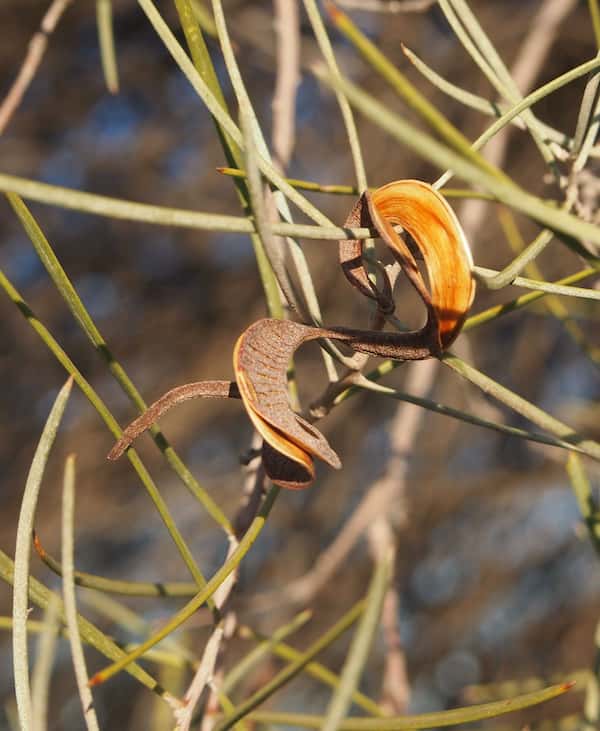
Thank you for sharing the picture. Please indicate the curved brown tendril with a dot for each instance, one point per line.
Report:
(263, 351)
(199, 389)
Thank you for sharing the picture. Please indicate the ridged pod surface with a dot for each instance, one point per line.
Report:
(263, 351)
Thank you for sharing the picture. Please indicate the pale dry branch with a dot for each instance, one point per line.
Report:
(287, 26)
(395, 686)
(208, 673)
(395, 692)
(35, 52)
(388, 6)
(184, 716)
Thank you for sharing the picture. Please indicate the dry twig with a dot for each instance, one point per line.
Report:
(35, 53)
(209, 674)
(396, 689)
(388, 6)
(287, 26)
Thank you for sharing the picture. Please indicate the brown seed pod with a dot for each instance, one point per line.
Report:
(263, 351)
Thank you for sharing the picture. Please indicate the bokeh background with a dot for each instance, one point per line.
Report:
(496, 578)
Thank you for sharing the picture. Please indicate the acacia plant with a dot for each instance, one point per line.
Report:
(403, 234)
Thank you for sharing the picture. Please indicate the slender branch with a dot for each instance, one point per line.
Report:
(287, 27)
(35, 53)
(388, 6)
(69, 599)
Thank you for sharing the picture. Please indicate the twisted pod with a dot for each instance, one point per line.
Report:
(263, 351)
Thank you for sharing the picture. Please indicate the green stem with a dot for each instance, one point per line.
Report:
(595, 16)
(106, 38)
(361, 644)
(369, 385)
(80, 313)
(585, 498)
(493, 313)
(40, 595)
(266, 645)
(101, 205)
(319, 672)
(411, 95)
(520, 405)
(426, 720)
(289, 672)
(203, 596)
(110, 422)
(505, 191)
(114, 586)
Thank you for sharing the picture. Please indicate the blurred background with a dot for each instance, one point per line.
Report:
(495, 575)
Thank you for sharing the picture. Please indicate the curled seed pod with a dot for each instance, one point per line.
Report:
(263, 351)
(260, 359)
(432, 224)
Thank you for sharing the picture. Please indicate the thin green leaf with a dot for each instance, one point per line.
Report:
(425, 720)
(108, 419)
(162, 657)
(206, 593)
(557, 308)
(481, 104)
(116, 586)
(587, 123)
(326, 48)
(320, 32)
(106, 38)
(586, 109)
(80, 313)
(492, 313)
(204, 18)
(353, 190)
(192, 29)
(269, 257)
(428, 148)
(319, 672)
(33, 626)
(585, 499)
(506, 85)
(131, 211)
(521, 406)
(285, 675)
(249, 661)
(474, 101)
(360, 646)
(541, 286)
(467, 43)
(595, 16)
(23, 553)
(135, 624)
(41, 596)
(520, 262)
(512, 431)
